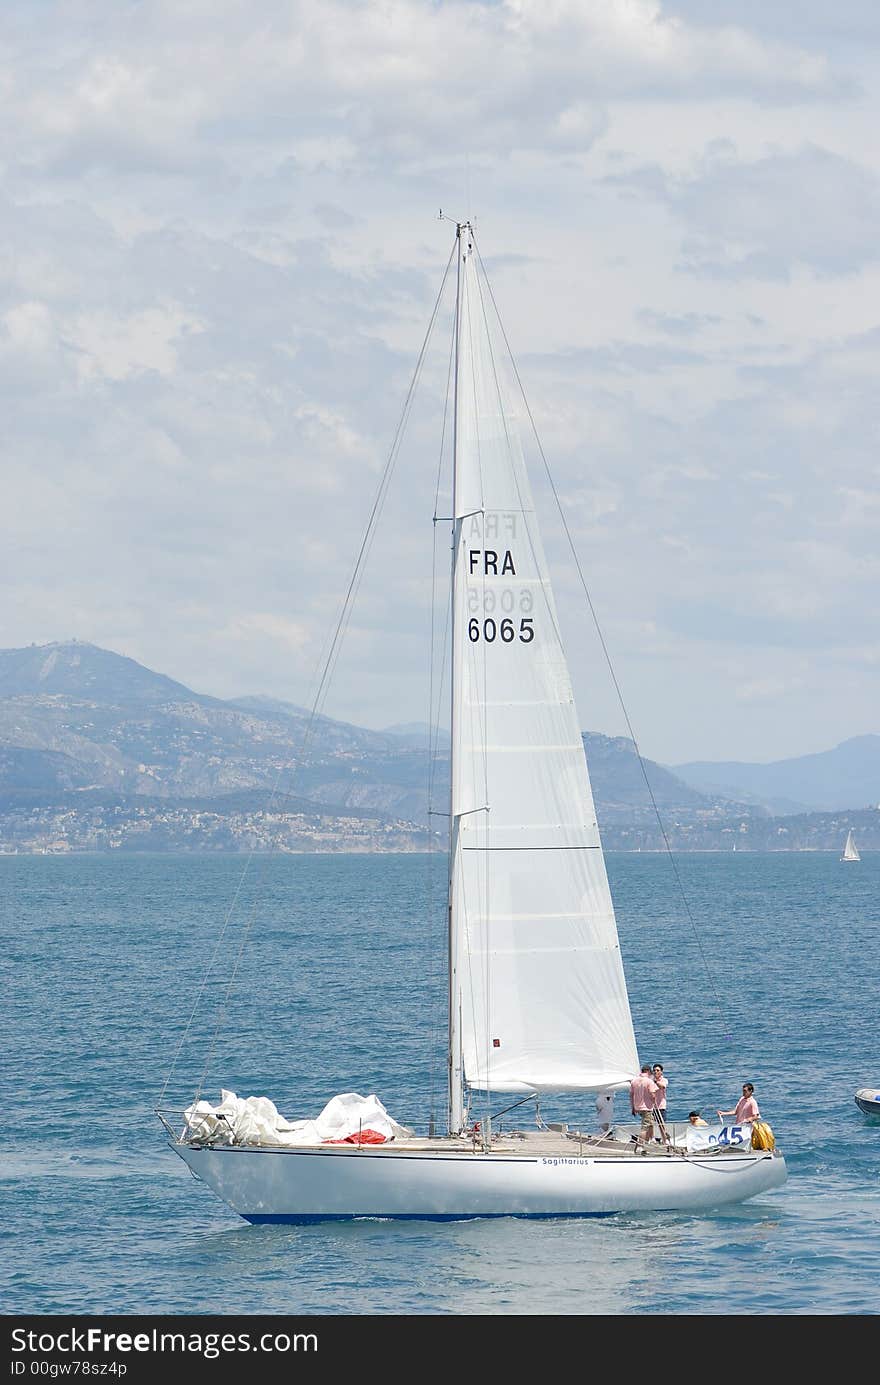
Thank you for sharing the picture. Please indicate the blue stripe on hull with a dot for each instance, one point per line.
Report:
(274, 1219)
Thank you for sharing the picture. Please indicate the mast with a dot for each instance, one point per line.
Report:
(455, 1065)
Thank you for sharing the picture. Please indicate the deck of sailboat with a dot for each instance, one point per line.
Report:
(540, 1144)
(537, 1144)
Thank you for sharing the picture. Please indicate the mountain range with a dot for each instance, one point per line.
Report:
(74, 717)
(846, 777)
(79, 723)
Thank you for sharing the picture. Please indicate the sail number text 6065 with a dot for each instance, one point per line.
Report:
(505, 630)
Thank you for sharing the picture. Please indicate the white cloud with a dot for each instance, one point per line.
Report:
(328, 83)
(766, 217)
(115, 347)
(29, 328)
(762, 690)
(264, 624)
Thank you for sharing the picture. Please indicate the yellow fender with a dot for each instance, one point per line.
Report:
(762, 1136)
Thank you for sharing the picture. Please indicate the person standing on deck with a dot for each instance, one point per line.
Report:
(642, 1096)
(746, 1109)
(660, 1104)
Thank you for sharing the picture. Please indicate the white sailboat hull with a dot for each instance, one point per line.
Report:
(325, 1182)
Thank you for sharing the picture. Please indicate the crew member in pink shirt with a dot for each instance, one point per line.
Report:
(661, 1083)
(643, 1092)
(746, 1109)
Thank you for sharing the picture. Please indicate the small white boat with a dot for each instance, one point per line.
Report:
(537, 998)
(850, 850)
(868, 1100)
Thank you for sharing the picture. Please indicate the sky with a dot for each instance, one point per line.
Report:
(220, 251)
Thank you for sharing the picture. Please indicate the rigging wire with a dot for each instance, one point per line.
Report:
(316, 708)
(601, 637)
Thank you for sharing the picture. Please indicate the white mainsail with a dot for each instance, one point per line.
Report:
(850, 851)
(538, 999)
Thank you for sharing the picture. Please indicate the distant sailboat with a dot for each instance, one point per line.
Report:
(850, 852)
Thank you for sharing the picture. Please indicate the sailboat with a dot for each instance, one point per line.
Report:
(537, 996)
(850, 850)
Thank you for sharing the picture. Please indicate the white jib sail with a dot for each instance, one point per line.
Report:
(536, 964)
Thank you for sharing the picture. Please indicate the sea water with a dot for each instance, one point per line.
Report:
(298, 977)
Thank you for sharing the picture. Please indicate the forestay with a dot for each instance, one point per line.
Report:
(537, 972)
